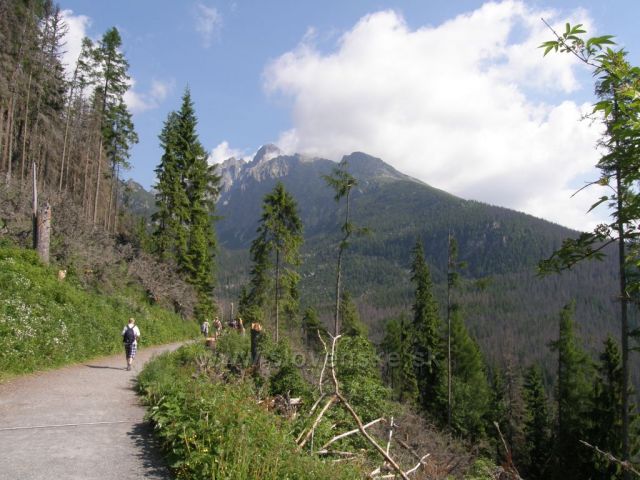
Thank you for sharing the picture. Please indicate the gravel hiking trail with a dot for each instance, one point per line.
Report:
(82, 422)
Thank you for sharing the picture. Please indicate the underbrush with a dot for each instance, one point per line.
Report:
(219, 418)
(46, 323)
(214, 428)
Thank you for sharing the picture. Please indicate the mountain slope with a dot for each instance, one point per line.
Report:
(511, 311)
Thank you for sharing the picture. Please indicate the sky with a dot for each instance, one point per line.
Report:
(454, 93)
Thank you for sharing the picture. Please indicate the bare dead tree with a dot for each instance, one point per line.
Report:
(336, 397)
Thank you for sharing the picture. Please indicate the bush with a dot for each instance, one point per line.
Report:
(215, 430)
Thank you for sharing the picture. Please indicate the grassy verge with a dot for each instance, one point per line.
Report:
(47, 323)
(216, 430)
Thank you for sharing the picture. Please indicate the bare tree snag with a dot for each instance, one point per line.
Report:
(44, 233)
(34, 213)
(256, 331)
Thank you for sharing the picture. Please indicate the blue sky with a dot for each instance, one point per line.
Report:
(318, 78)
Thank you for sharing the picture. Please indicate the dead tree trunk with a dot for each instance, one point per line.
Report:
(44, 233)
(34, 213)
(256, 331)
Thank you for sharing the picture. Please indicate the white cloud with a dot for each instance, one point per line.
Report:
(139, 102)
(223, 152)
(208, 23)
(77, 26)
(456, 105)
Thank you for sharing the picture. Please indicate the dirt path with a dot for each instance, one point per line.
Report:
(82, 422)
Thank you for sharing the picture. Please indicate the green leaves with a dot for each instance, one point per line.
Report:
(588, 245)
(571, 41)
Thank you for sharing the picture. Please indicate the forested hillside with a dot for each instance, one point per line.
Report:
(508, 307)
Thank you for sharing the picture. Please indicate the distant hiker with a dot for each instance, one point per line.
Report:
(130, 337)
(217, 324)
(240, 326)
(204, 328)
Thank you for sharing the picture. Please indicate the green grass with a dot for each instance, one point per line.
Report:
(46, 323)
(215, 430)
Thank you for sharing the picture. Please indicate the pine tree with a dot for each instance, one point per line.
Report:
(398, 345)
(187, 188)
(426, 330)
(508, 410)
(277, 248)
(606, 430)
(311, 327)
(537, 426)
(117, 132)
(573, 397)
(352, 326)
(470, 399)
(341, 181)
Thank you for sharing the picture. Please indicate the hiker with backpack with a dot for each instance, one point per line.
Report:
(130, 337)
(204, 328)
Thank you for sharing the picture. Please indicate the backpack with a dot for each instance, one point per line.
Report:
(129, 335)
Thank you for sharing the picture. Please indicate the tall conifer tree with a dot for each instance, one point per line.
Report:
(187, 189)
(398, 344)
(606, 430)
(276, 248)
(471, 396)
(115, 120)
(573, 396)
(426, 330)
(537, 425)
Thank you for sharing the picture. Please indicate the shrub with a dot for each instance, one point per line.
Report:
(215, 430)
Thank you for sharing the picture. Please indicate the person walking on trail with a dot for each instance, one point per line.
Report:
(130, 337)
(204, 328)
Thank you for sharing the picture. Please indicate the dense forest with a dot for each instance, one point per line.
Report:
(564, 412)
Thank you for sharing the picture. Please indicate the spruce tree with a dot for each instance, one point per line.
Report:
(352, 326)
(117, 132)
(606, 430)
(341, 181)
(311, 326)
(187, 189)
(471, 397)
(426, 328)
(276, 248)
(537, 426)
(398, 345)
(508, 410)
(573, 397)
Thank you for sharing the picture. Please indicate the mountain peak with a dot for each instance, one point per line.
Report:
(266, 153)
(367, 167)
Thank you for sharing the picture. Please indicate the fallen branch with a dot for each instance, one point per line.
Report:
(626, 465)
(421, 462)
(300, 440)
(350, 432)
(315, 405)
(369, 438)
(324, 365)
(337, 452)
(512, 470)
(407, 447)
